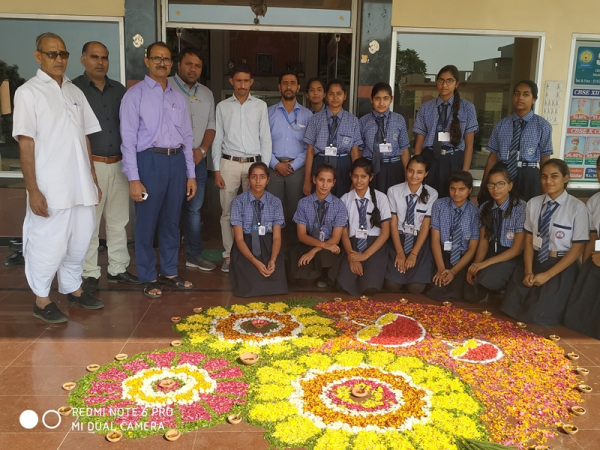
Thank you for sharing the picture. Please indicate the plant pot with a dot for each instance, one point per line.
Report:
(114, 436)
(172, 434)
(249, 358)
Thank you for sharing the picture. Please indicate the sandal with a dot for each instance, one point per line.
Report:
(148, 287)
(175, 281)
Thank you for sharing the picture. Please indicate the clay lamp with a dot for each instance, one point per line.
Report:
(403, 301)
(337, 299)
(65, 410)
(570, 429)
(582, 371)
(584, 388)
(167, 383)
(114, 436)
(172, 434)
(69, 386)
(249, 358)
(175, 319)
(197, 310)
(486, 313)
(554, 337)
(176, 343)
(364, 297)
(447, 303)
(578, 410)
(121, 356)
(359, 392)
(521, 324)
(234, 419)
(436, 335)
(92, 367)
(572, 355)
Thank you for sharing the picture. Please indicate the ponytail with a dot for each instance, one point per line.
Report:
(375, 214)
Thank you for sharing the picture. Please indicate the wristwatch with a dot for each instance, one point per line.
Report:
(203, 152)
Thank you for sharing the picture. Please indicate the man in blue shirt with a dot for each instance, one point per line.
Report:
(288, 120)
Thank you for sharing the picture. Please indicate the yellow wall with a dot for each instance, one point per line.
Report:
(115, 8)
(557, 18)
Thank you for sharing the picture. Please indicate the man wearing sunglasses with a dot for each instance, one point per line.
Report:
(157, 142)
(52, 119)
(104, 96)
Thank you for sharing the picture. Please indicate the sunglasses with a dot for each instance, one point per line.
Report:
(54, 55)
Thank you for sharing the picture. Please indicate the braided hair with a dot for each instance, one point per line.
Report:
(367, 166)
(487, 216)
(455, 130)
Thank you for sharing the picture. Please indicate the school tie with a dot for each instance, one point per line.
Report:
(457, 236)
(545, 232)
(257, 206)
(361, 244)
(515, 144)
(497, 215)
(332, 160)
(316, 229)
(409, 239)
(378, 140)
(442, 117)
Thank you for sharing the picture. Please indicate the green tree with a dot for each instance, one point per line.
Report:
(408, 62)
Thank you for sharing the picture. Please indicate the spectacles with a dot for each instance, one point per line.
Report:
(498, 185)
(447, 81)
(54, 55)
(159, 60)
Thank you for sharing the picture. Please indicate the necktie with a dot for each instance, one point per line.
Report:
(316, 229)
(497, 227)
(257, 206)
(409, 238)
(545, 232)
(378, 140)
(332, 160)
(457, 236)
(361, 244)
(442, 118)
(515, 145)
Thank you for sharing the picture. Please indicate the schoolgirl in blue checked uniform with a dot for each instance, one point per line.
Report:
(501, 237)
(582, 313)
(557, 227)
(333, 137)
(257, 218)
(365, 253)
(522, 141)
(385, 139)
(445, 130)
(320, 220)
(454, 238)
(409, 251)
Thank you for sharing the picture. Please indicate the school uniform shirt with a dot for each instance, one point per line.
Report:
(569, 222)
(349, 200)
(593, 207)
(58, 118)
(512, 224)
(335, 214)
(536, 138)
(347, 136)
(242, 211)
(394, 127)
(442, 214)
(428, 115)
(397, 196)
(287, 134)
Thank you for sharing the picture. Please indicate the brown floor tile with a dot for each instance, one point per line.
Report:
(588, 439)
(583, 359)
(154, 332)
(18, 314)
(29, 381)
(9, 416)
(590, 351)
(82, 440)
(67, 354)
(11, 350)
(230, 441)
(99, 332)
(111, 313)
(564, 441)
(589, 421)
(134, 348)
(23, 333)
(20, 441)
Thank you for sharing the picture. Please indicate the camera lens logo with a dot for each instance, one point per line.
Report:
(29, 419)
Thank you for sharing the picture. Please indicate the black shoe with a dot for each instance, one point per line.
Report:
(85, 301)
(50, 313)
(90, 285)
(124, 277)
(16, 259)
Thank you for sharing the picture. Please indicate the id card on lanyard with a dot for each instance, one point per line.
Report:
(331, 148)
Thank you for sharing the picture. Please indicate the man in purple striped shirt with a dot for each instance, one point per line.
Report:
(157, 141)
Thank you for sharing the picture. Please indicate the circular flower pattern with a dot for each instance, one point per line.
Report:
(256, 325)
(392, 330)
(151, 392)
(313, 402)
(498, 359)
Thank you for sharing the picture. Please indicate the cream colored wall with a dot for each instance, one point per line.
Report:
(559, 20)
(115, 8)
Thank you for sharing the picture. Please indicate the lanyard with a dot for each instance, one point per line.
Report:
(383, 128)
(257, 216)
(185, 91)
(287, 118)
(320, 221)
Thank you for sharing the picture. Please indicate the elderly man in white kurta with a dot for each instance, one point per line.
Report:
(52, 119)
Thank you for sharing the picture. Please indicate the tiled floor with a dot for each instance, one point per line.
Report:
(36, 358)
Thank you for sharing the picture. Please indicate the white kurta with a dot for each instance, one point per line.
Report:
(58, 119)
